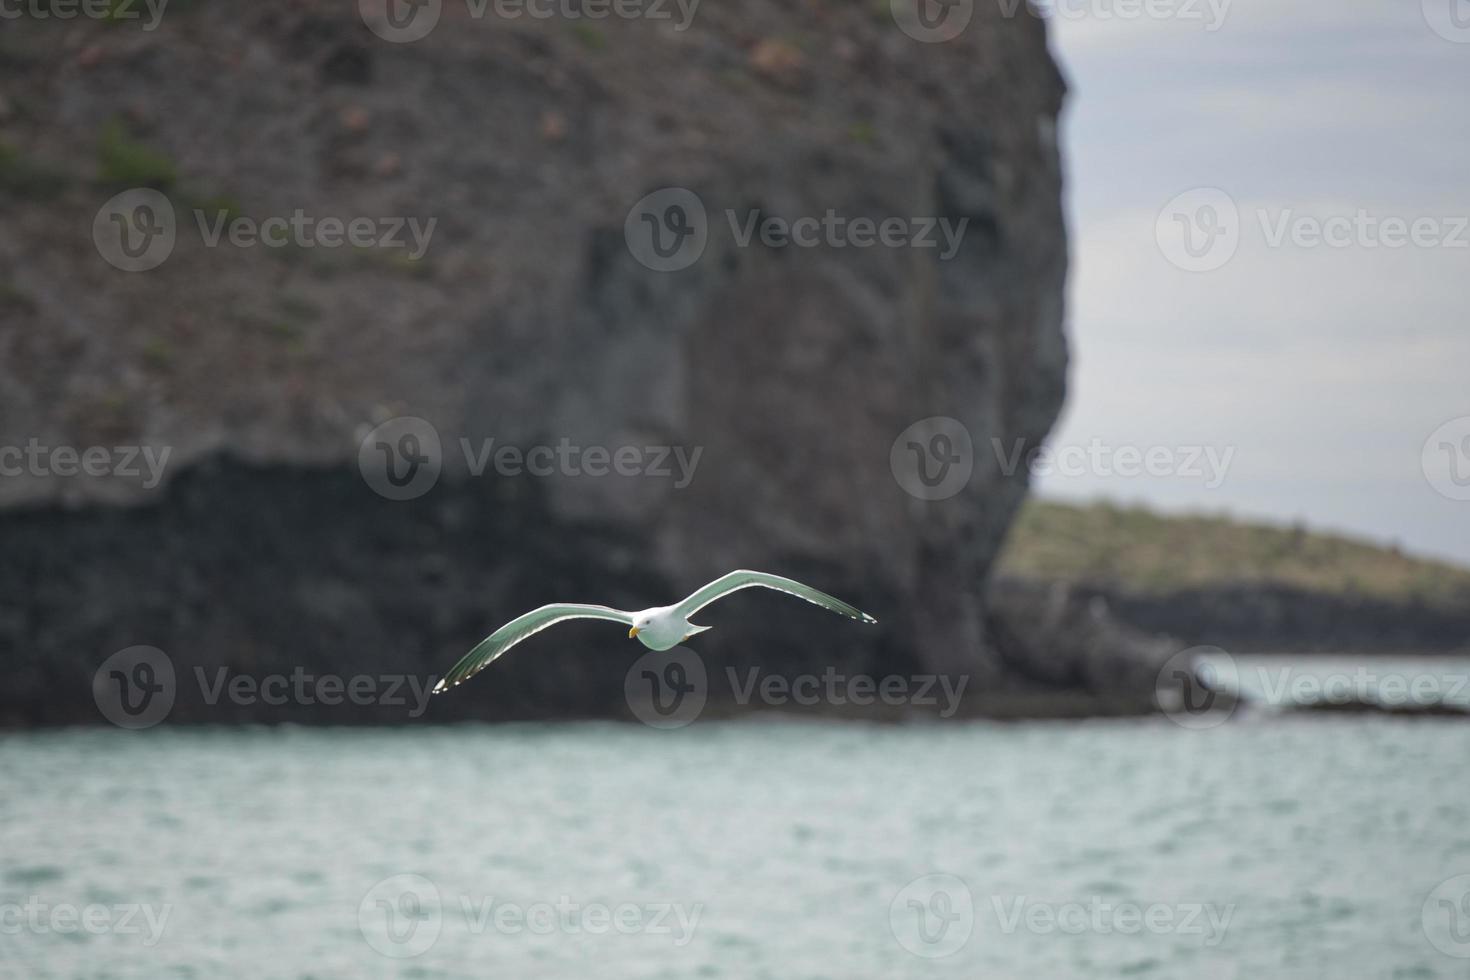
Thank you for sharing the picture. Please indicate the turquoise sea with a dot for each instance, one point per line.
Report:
(1277, 847)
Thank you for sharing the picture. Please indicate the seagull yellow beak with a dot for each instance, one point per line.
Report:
(632, 632)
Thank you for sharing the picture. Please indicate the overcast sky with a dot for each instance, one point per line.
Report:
(1329, 374)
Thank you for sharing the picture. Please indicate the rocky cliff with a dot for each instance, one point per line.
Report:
(358, 226)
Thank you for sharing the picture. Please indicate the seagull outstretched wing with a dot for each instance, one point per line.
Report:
(513, 632)
(745, 579)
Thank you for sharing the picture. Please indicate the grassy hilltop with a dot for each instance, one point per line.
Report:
(1135, 550)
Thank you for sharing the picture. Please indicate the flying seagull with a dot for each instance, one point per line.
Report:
(658, 628)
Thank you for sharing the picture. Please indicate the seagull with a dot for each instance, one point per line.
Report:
(658, 628)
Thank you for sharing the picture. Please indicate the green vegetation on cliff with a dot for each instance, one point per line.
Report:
(1137, 550)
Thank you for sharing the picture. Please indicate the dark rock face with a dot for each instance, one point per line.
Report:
(1065, 652)
(1263, 618)
(791, 371)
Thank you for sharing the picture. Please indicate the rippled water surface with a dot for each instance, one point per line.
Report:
(1289, 848)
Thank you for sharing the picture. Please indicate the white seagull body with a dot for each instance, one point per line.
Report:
(658, 628)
